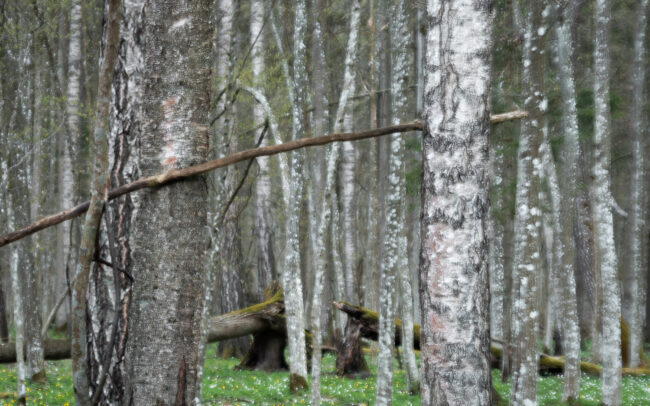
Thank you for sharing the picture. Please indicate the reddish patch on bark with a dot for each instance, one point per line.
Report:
(170, 102)
(170, 161)
(180, 392)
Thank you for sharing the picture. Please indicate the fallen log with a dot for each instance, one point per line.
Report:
(369, 328)
(264, 321)
(54, 350)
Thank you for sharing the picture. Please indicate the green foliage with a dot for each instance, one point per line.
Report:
(222, 384)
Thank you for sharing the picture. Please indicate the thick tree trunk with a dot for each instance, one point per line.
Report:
(168, 249)
(454, 293)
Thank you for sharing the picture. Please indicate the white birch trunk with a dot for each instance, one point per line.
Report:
(603, 218)
(65, 259)
(17, 295)
(526, 265)
(496, 240)
(635, 306)
(265, 261)
(291, 276)
(397, 198)
(570, 324)
(318, 229)
(329, 213)
(454, 294)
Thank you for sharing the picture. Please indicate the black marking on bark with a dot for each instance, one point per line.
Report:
(182, 383)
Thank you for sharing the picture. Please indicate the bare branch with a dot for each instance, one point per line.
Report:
(174, 175)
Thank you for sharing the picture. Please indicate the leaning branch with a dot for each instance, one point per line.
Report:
(174, 175)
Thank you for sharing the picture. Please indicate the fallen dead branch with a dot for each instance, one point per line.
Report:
(174, 175)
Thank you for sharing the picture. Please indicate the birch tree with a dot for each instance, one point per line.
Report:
(64, 258)
(634, 309)
(528, 214)
(328, 211)
(454, 293)
(568, 210)
(610, 350)
(395, 261)
(168, 248)
(265, 260)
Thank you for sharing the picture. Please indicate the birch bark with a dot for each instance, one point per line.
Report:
(397, 195)
(635, 305)
(110, 341)
(99, 189)
(265, 261)
(65, 260)
(528, 214)
(291, 276)
(454, 293)
(328, 210)
(168, 248)
(318, 228)
(570, 152)
(603, 221)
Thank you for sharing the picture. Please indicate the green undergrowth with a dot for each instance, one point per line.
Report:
(222, 385)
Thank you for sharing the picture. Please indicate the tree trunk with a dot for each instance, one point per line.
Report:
(565, 224)
(528, 215)
(634, 306)
(265, 260)
(291, 275)
(397, 198)
(454, 293)
(168, 249)
(603, 218)
(99, 189)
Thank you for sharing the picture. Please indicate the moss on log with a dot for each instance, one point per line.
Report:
(547, 363)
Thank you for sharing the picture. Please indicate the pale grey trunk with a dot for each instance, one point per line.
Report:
(634, 306)
(31, 280)
(291, 276)
(329, 212)
(348, 206)
(603, 218)
(454, 295)
(66, 260)
(169, 233)
(318, 229)
(265, 260)
(496, 240)
(231, 259)
(526, 264)
(565, 224)
(16, 288)
(19, 322)
(397, 199)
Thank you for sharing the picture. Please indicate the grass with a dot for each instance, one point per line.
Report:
(222, 385)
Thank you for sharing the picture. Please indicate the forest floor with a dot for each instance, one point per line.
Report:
(222, 385)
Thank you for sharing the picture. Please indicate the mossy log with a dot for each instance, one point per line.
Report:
(369, 329)
(54, 350)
